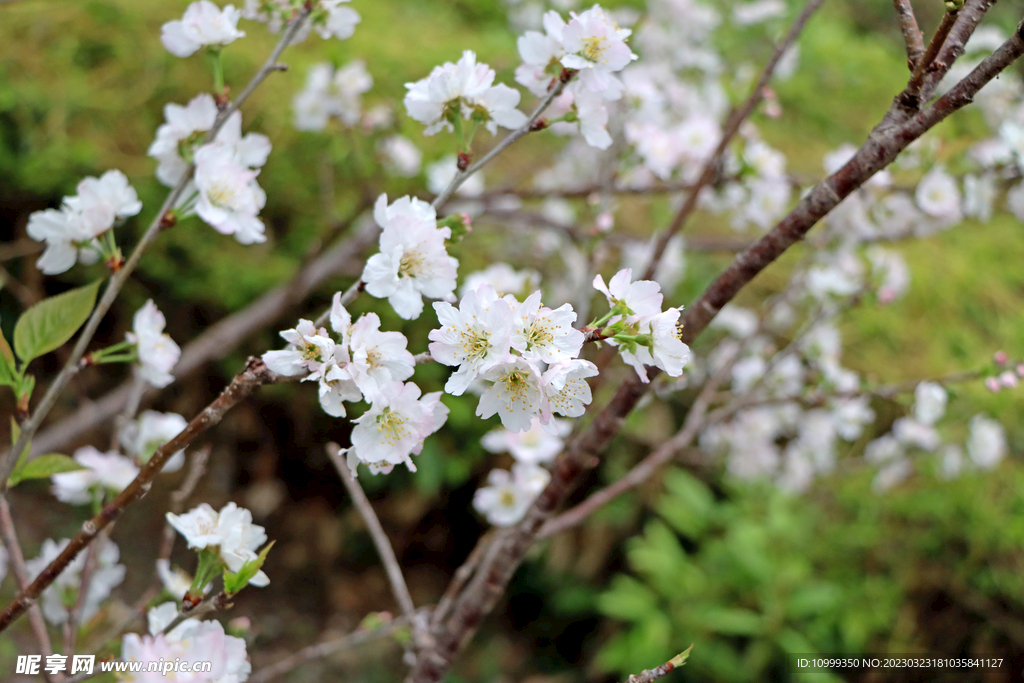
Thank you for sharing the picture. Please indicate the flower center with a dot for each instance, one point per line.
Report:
(311, 352)
(221, 194)
(507, 498)
(411, 264)
(473, 345)
(391, 426)
(593, 48)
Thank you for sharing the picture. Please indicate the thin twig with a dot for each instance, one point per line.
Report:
(119, 278)
(380, 539)
(254, 376)
(729, 131)
(328, 648)
(651, 675)
(462, 575)
(932, 51)
(92, 558)
(196, 469)
(209, 604)
(911, 33)
(25, 296)
(17, 562)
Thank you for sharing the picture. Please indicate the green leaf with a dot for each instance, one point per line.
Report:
(8, 373)
(51, 322)
(5, 349)
(43, 467)
(234, 582)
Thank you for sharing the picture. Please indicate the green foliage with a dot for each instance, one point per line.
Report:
(754, 574)
(43, 467)
(51, 322)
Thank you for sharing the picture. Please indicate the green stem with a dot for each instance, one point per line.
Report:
(218, 69)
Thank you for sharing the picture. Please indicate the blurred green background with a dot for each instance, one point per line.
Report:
(741, 570)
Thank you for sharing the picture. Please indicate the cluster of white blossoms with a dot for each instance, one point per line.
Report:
(362, 362)
(223, 190)
(62, 594)
(329, 18)
(331, 92)
(525, 354)
(464, 90)
(508, 495)
(228, 536)
(71, 233)
(188, 645)
(590, 43)
(413, 261)
(646, 335)
(157, 353)
(986, 443)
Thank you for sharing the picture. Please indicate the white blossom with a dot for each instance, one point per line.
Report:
(539, 444)
(508, 495)
(203, 24)
(938, 196)
(514, 394)
(403, 157)
(929, 403)
(476, 336)
(503, 278)
(413, 261)
(463, 90)
(986, 444)
(544, 334)
(157, 352)
(69, 232)
(230, 531)
(340, 21)
(665, 351)
(596, 46)
(332, 93)
(103, 472)
(642, 299)
(190, 642)
(912, 433)
(541, 54)
(229, 196)
(377, 357)
(142, 437)
(565, 390)
(394, 427)
(106, 575)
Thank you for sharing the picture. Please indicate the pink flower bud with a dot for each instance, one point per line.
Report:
(1020, 370)
(605, 221)
(886, 295)
(992, 384)
(1000, 358)
(1008, 379)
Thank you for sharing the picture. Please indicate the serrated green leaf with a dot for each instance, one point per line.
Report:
(51, 322)
(43, 467)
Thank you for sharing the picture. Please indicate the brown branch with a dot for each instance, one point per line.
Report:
(327, 648)
(729, 131)
(930, 53)
(254, 376)
(17, 561)
(911, 33)
(380, 539)
(883, 145)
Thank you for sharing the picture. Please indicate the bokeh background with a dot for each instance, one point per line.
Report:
(741, 570)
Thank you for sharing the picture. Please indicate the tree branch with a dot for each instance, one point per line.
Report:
(328, 648)
(729, 131)
(254, 376)
(380, 539)
(17, 560)
(883, 145)
(911, 33)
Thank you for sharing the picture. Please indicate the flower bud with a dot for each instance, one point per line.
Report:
(992, 384)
